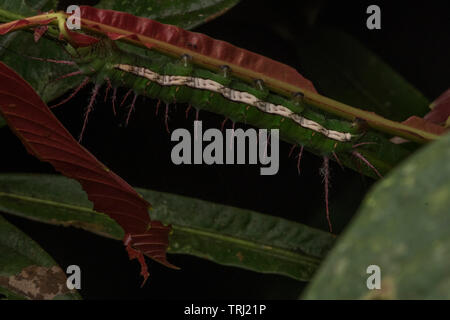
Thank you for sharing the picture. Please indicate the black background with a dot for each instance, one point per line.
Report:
(413, 40)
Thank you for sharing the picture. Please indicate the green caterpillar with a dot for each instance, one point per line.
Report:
(320, 134)
(221, 78)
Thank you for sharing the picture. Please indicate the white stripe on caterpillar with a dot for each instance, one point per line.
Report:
(234, 95)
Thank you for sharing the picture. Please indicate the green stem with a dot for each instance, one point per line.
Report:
(340, 109)
(7, 16)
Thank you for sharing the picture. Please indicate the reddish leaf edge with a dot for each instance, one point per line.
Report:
(150, 33)
(166, 38)
(25, 23)
(47, 139)
(425, 124)
(440, 110)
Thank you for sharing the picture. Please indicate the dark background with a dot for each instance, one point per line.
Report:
(413, 40)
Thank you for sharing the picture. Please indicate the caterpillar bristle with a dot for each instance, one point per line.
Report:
(157, 107)
(114, 101)
(292, 150)
(88, 110)
(82, 84)
(337, 160)
(367, 162)
(67, 62)
(125, 97)
(223, 124)
(166, 118)
(68, 75)
(131, 109)
(362, 144)
(299, 158)
(108, 87)
(357, 164)
(325, 173)
(187, 110)
(197, 111)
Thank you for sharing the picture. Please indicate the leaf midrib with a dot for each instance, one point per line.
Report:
(254, 246)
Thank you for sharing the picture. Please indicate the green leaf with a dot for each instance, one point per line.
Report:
(186, 14)
(17, 47)
(26, 270)
(343, 69)
(12, 10)
(222, 234)
(402, 227)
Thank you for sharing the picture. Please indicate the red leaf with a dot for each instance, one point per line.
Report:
(80, 39)
(46, 138)
(423, 124)
(152, 33)
(173, 40)
(17, 24)
(7, 27)
(39, 32)
(440, 109)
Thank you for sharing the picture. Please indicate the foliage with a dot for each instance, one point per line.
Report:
(400, 226)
